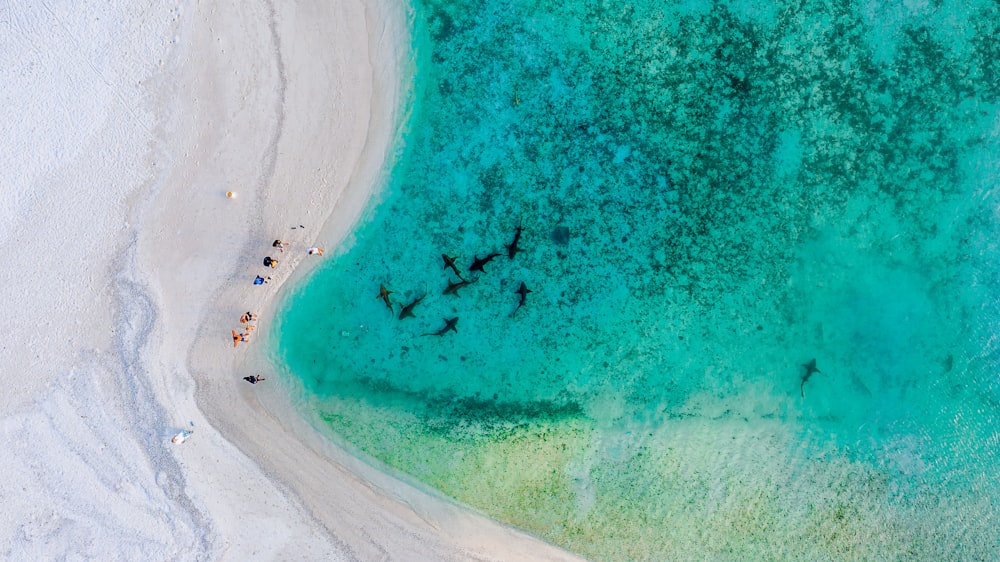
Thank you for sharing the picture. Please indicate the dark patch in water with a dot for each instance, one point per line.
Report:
(445, 412)
(560, 235)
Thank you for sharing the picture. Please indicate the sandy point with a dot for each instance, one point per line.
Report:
(133, 129)
(298, 105)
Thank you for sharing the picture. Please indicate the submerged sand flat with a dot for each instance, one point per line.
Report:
(127, 266)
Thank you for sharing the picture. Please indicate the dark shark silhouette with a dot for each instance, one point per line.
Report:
(512, 248)
(450, 262)
(477, 264)
(449, 324)
(523, 290)
(454, 286)
(407, 311)
(810, 369)
(383, 294)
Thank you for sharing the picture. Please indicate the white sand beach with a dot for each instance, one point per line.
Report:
(127, 266)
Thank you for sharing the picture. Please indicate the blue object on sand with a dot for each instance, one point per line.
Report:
(258, 281)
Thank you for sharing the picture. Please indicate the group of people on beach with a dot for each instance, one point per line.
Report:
(273, 262)
(280, 245)
(248, 318)
(246, 321)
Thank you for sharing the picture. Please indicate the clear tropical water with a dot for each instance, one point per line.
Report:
(711, 196)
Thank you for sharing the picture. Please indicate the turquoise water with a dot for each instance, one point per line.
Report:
(711, 196)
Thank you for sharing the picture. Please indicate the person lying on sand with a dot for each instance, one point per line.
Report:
(254, 379)
(237, 338)
(181, 437)
(317, 251)
(247, 318)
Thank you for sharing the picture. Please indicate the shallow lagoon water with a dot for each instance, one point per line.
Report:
(711, 195)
